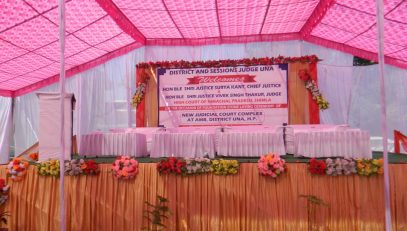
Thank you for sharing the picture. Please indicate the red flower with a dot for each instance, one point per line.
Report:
(171, 165)
(304, 76)
(317, 166)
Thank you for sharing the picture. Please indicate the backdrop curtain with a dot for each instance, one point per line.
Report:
(102, 97)
(245, 201)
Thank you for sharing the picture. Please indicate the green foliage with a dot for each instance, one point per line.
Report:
(156, 214)
(313, 205)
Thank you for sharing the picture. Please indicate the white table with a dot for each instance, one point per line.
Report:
(250, 143)
(183, 144)
(351, 143)
(113, 144)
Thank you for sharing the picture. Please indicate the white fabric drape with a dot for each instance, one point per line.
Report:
(365, 104)
(5, 128)
(101, 100)
(103, 93)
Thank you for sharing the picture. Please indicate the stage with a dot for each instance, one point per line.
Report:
(245, 201)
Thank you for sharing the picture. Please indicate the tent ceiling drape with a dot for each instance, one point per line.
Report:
(97, 31)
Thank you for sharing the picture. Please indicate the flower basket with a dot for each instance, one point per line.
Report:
(48, 168)
(369, 167)
(271, 165)
(17, 168)
(125, 167)
(171, 165)
(198, 165)
(317, 167)
(81, 167)
(224, 167)
(340, 166)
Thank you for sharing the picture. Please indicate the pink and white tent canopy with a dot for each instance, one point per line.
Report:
(98, 30)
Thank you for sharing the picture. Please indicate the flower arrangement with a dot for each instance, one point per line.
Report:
(139, 95)
(317, 167)
(33, 156)
(224, 167)
(311, 85)
(340, 166)
(48, 168)
(229, 63)
(271, 165)
(79, 166)
(171, 165)
(197, 165)
(17, 168)
(90, 167)
(3, 191)
(125, 167)
(368, 167)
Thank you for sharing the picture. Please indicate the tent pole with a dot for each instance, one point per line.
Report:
(61, 19)
(380, 40)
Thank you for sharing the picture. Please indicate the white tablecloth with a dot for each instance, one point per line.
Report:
(165, 144)
(113, 144)
(352, 143)
(241, 143)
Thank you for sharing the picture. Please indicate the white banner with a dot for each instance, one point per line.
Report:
(225, 96)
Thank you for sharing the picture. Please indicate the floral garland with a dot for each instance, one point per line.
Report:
(48, 168)
(78, 167)
(229, 63)
(340, 166)
(171, 165)
(141, 85)
(125, 167)
(317, 167)
(197, 165)
(17, 168)
(3, 191)
(224, 167)
(271, 165)
(313, 88)
(369, 167)
(139, 95)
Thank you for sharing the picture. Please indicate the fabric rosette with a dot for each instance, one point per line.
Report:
(271, 165)
(317, 167)
(4, 188)
(17, 168)
(198, 165)
(125, 167)
(368, 167)
(224, 167)
(81, 167)
(171, 165)
(48, 168)
(340, 166)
